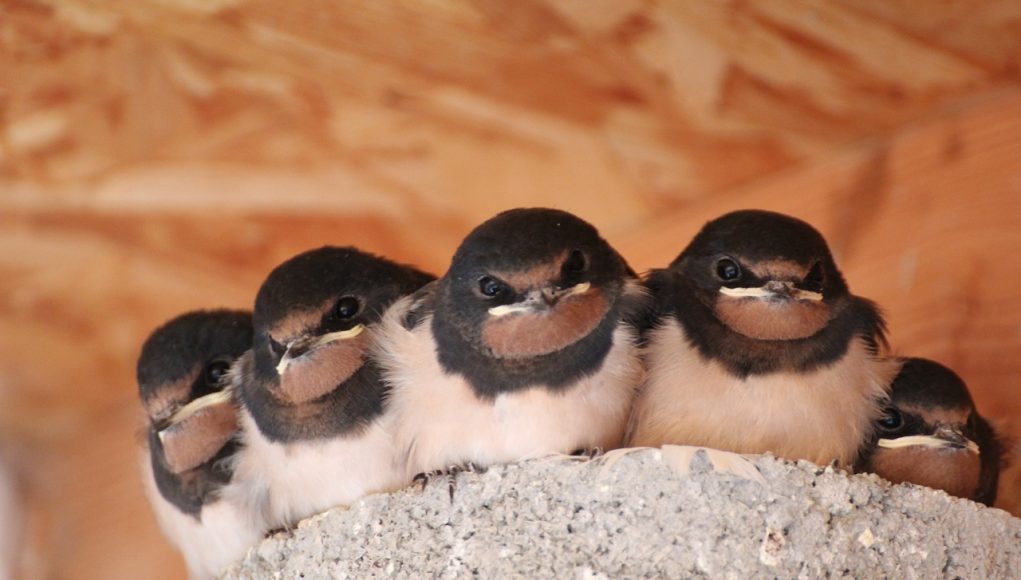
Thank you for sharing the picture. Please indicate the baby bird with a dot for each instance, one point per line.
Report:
(523, 348)
(756, 345)
(315, 429)
(932, 435)
(191, 424)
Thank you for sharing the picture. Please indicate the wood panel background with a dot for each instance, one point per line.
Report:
(163, 155)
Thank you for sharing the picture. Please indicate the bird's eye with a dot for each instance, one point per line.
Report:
(215, 371)
(891, 420)
(575, 263)
(346, 307)
(491, 287)
(275, 348)
(814, 279)
(727, 270)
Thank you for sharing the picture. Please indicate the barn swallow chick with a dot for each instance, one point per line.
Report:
(932, 435)
(524, 347)
(191, 425)
(312, 401)
(758, 346)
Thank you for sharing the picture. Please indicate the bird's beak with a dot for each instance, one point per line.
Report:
(955, 438)
(540, 300)
(199, 404)
(198, 430)
(300, 346)
(773, 289)
(944, 438)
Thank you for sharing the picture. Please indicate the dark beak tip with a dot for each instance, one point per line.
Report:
(549, 296)
(779, 288)
(958, 441)
(300, 346)
(954, 438)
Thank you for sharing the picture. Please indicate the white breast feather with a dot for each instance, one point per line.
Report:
(819, 415)
(222, 536)
(285, 483)
(440, 422)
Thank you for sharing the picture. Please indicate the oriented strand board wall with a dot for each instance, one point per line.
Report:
(163, 155)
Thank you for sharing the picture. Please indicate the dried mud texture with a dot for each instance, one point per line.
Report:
(638, 516)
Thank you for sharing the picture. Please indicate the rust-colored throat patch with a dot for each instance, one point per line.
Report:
(321, 369)
(767, 318)
(525, 332)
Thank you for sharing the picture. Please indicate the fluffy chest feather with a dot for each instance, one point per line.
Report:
(221, 535)
(441, 422)
(285, 482)
(819, 415)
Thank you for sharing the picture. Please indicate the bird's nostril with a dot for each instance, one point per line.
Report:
(550, 296)
(296, 349)
(951, 435)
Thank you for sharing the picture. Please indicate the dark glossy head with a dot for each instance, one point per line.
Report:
(527, 284)
(764, 275)
(932, 435)
(192, 421)
(311, 311)
(187, 357)
(759, 293)
(923, 384)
